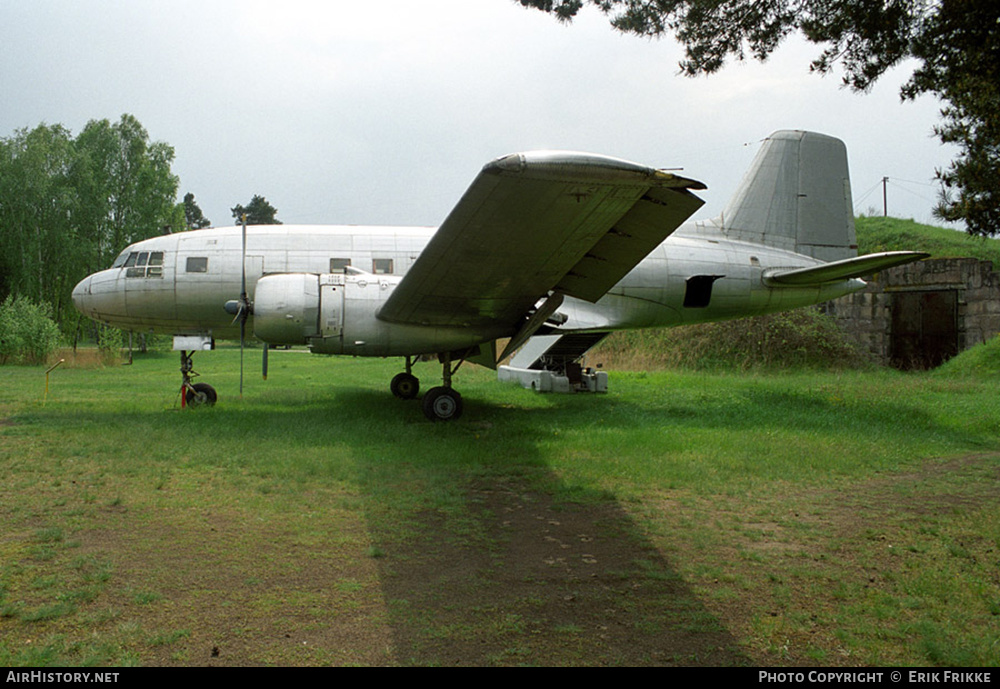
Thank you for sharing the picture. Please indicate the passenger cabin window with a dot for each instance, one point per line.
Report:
(339, 265)
(382, 266)
(197, 264)
(144, 264)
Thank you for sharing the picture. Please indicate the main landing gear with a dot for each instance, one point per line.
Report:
(439, 404)
(405, 385)
(194, 394)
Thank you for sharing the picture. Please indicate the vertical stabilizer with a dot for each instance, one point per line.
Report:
(796, 196)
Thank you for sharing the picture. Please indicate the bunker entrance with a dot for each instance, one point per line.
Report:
(924, 328)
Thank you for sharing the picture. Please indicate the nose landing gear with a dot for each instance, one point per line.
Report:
(194, 394)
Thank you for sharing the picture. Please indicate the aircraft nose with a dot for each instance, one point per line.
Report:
(81, 296)
(101, 296)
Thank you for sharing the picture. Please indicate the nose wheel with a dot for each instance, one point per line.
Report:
(200, 395)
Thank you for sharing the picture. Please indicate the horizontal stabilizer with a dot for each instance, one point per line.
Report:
(840, 270)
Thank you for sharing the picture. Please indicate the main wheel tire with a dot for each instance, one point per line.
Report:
(200, 395)
(442, 404)
(405, 386)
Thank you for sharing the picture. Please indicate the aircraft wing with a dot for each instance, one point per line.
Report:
(535, 223)
(840, 270)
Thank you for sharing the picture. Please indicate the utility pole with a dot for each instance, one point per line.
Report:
(885, 203)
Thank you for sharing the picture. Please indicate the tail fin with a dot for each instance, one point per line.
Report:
(796, 196)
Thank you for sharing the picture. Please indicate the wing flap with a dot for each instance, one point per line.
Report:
(531, 223)
(630, 240)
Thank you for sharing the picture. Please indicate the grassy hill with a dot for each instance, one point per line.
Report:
(893, 234)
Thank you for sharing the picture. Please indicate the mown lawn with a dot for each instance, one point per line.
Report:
(724, 519)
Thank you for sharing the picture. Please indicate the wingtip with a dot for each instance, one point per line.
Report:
(676, 181)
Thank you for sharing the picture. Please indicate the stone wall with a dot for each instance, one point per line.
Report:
(867, 316)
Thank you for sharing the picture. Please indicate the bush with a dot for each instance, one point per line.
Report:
(28, 335)
(803, 338)
(110, 341)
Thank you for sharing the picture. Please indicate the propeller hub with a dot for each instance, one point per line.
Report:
(238, 307)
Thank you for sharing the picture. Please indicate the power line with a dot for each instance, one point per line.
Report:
(893, 182)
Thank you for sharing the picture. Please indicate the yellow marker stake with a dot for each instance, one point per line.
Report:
(50, 370)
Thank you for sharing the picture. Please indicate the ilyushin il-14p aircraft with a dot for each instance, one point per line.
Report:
(548, 251)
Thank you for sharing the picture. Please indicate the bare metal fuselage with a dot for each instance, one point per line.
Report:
(199, 271)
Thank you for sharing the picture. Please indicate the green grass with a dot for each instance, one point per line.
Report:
(838, 518)
(981, 360)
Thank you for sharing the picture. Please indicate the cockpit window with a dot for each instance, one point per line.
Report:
(144, 264)
(155, 267)
(120, 261)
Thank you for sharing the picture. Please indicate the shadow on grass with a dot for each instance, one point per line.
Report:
(532, 579)
(487, 557)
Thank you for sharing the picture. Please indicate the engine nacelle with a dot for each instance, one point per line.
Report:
(336, 313)
(286, 308)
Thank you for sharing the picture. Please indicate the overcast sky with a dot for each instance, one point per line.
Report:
(338, 113)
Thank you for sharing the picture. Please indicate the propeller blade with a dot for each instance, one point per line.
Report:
(264, 361)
